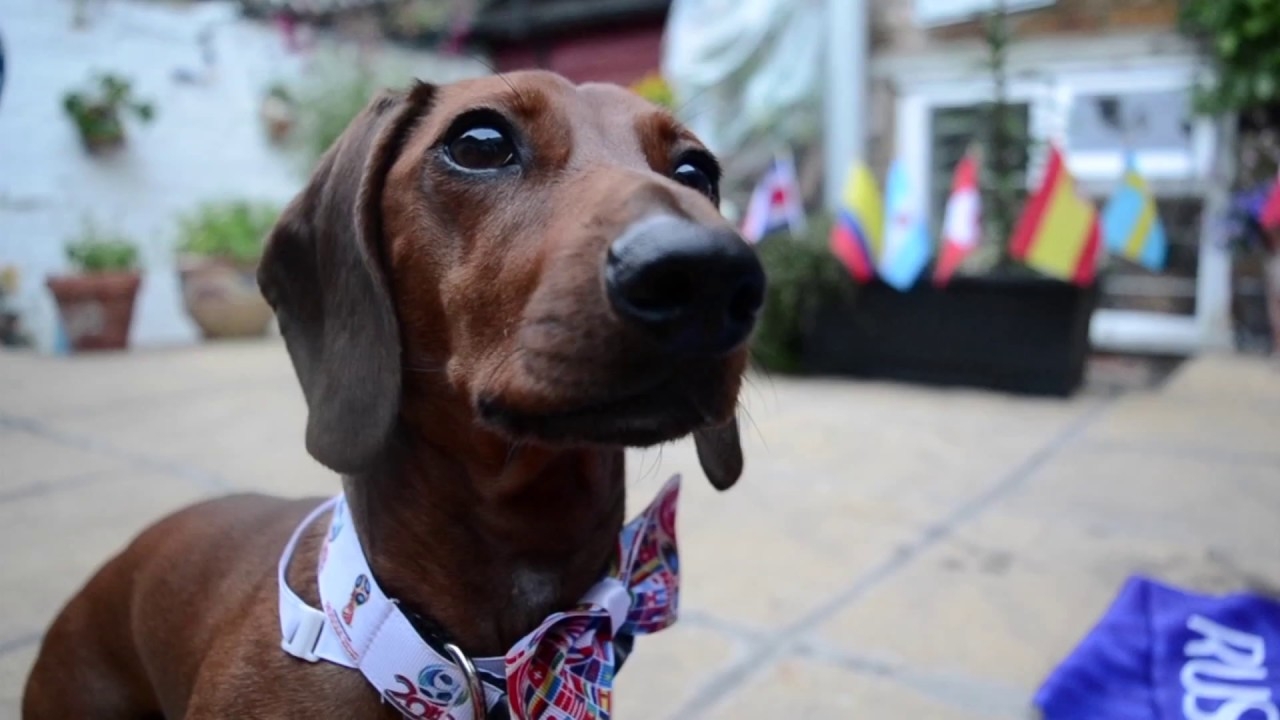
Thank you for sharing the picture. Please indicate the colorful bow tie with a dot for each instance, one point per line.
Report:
(564, 670)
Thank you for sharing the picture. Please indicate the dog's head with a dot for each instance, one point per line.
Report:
(545, 262)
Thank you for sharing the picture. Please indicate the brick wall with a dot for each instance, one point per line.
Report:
(619, 55)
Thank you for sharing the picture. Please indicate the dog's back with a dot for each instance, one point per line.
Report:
(140, 601)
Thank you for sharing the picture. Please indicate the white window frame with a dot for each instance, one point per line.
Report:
(1050, 90)
(935, 13)
(1194, 165)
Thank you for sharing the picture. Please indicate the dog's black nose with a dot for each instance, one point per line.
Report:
(695, 289)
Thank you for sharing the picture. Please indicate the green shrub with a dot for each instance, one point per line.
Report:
(331, 96)
(1242, 38)
(230, 230)
(803, 275)
(96, 251)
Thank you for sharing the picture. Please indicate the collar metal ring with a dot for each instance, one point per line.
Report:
(474, 686)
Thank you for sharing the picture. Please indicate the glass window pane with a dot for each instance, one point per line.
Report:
(1143, 121)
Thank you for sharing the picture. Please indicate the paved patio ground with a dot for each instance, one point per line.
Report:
(892, 552)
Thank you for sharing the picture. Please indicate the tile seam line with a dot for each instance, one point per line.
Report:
(770, 649)
(18, 643)
(205, 480)
(44, 488)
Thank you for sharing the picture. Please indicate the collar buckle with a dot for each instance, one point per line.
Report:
(306, 636)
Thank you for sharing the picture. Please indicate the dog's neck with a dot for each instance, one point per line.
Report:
(487, 546)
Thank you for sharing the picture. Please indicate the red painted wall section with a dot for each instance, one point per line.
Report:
(620, 55)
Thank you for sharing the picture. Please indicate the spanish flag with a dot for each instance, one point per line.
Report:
(857, 236)
(1058, 232)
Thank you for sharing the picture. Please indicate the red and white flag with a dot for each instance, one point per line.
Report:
(775, 203)
(962, 223)
(1269, 218)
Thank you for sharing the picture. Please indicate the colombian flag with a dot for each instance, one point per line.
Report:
(858, 233)
(1058, 233)
(1130, 226)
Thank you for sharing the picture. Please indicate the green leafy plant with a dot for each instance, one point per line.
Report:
(1242, 38)
(327, 102)
(99, 111)
(1004, 138)
(417, 18)
(803, 276)
(228, 230)
(654, 88)
(279, 91)
(98, 251)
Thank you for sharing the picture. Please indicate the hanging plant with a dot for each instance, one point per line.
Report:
(279, 113)
(99, 112)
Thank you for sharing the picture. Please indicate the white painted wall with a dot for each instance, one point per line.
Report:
(205, 143)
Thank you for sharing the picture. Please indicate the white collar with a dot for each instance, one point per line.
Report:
(361, 628)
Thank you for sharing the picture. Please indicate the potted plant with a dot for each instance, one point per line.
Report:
(10, 330)
(996, 324)
(803, 278)
(99, 112)
(96, 301)
(279, 113)
(221, 244)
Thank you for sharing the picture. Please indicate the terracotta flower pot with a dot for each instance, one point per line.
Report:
(96, 308)
(223, 298)
(103, 144)
(279, 117)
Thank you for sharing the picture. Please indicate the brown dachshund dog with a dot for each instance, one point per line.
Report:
(488, 290)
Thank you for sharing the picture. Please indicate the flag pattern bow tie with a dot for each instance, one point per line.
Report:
(563, 670)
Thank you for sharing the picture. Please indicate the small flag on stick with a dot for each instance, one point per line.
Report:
(962, 223)
(907, 247)
(1131, 227)
(856, 236)
(1058, 233)
(775, 203)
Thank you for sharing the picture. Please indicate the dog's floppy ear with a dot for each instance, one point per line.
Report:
(720, 453)
(323, 273)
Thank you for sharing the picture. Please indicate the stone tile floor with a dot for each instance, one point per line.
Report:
(892, 552)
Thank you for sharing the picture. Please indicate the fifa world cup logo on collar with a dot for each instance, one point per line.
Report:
(359, 596)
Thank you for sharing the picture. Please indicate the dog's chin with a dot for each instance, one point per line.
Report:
(658, 415)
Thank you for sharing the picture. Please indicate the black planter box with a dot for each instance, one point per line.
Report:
(1021, 335)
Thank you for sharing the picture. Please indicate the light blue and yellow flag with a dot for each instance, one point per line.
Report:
(1131, 227)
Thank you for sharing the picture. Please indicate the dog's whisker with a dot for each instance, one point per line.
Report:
(498, 74)
(758, 392)
(754, 425)
(511, 455)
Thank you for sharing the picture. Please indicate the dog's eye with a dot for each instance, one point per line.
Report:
(692, 176)
(482, 148)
